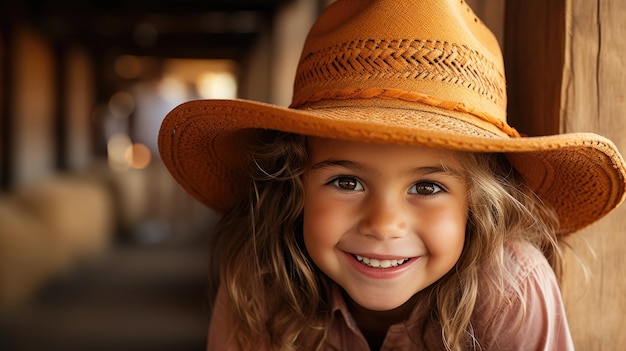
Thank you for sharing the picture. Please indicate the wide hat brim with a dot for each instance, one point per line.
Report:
(580, 175)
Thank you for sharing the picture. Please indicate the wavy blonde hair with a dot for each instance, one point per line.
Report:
(278, 297)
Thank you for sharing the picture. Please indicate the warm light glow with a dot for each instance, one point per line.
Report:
(116, 150)
(173, 90)
(138, 156)
(128, 66)
(121, 104)
(217, 85)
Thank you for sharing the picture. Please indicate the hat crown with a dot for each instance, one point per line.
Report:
(432, 52)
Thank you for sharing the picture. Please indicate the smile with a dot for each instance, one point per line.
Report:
(376, 263)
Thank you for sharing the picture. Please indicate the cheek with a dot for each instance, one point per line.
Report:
(318, 225)
(325, 223)
(446, 234)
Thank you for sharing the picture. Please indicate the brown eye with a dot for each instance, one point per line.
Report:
(425, 188)
(347, 183)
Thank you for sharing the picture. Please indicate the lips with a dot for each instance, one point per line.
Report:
(380, 263)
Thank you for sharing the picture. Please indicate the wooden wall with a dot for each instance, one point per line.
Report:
(594, 99)
(566, 71)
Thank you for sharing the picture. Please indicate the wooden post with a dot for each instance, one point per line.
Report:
(594, 100)
(566, 68)
(533, 56)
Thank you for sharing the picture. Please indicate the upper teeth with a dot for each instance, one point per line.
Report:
(373, 262)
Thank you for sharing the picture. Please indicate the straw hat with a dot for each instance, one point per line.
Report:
(425, 73)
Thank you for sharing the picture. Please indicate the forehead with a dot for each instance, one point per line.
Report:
(324, 148)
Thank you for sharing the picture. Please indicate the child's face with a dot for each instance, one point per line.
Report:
(402, 209)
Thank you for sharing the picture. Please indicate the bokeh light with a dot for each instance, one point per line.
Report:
(137, 156)
(121, 104)
(217, 85)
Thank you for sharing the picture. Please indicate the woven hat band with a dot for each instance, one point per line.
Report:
(403, 60)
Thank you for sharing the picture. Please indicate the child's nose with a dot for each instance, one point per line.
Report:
(384, 220)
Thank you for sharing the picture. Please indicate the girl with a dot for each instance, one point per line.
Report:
(391, 206)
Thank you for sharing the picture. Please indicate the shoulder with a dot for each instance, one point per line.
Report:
(524, 261)
(523, 274)
(220, 326)
(222, 335)
(530, 315)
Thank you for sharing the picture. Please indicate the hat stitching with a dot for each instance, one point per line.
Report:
(408, 59)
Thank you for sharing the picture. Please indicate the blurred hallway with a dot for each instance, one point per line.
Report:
(99, 248)
(135, 298)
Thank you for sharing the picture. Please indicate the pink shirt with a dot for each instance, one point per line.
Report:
(544, 327)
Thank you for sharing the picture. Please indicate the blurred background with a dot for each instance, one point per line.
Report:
(99, 248)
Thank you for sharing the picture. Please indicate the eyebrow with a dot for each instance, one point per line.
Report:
(425, 170)
(339, 163)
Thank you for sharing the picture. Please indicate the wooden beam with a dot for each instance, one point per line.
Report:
(7, 44)
(60, 111)
(534, 56)
(566, 67)
(594, 101)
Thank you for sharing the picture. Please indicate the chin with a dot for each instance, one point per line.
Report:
(379, 303)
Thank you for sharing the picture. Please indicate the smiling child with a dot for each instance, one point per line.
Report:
(391, 206)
